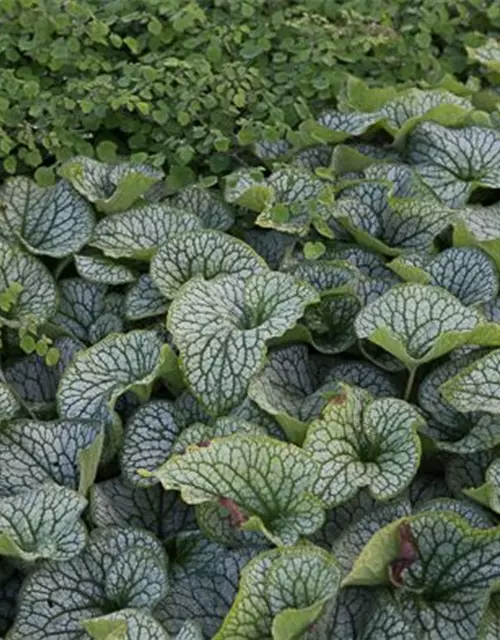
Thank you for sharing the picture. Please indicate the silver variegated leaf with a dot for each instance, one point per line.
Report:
(210, 209)
(117, 502)
(42, 522)
(126, 624)
(224, 471)
(137, 233)
(33, 452)
(468, 273)
(197, 592)
(119, 568)
(221, 328)
(417, 323)
(99, 375)
(144, 300)
(452, 430)
(331, 321)
(478, 226)
(54, 221)
(443, 594)
(282, 592)
(38, 293)
(148, 440)
(111, 188)
(434, 104)
(205, 254)
(80, 306)
(361, 442)
(477, 386)
(35, 381)
(455, 161)
(102, 270)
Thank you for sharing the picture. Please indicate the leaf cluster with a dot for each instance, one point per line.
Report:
(275, 411)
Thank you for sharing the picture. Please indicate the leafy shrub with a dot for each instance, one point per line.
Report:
(184, 82)
(308, 446)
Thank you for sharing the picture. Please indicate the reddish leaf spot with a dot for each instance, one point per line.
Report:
(338, 399)
(204, 443)
(236, 517)
(408, 554)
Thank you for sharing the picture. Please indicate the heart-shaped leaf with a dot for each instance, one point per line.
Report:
(282, 592)
(144, 300)
(102, 270)
(148, 441)
(55, 221)
(37, 295)
(35, 381)
(110, 188)
(211, 210)
(414, 105)
(119, 568)
(478, 226)
(225, 472)
(417, 323)
(33, 452)
(137, 233)
(197, 591)
(453, 430)
(116, 502)
(126, 624)
(232, 319)
(81, 305)
(202, 253)
(360, 442)
(453, 162)
(477, 386)
(43, 522)
(468, 273)
(99, 375)
(443, 595)
(292, 387)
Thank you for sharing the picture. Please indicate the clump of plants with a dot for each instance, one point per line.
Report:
(186, 82)
(269, 410)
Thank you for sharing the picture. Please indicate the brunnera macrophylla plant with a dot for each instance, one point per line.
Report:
(274, 409)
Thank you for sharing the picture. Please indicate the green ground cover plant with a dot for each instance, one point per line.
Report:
(266, 409)
(186, 82)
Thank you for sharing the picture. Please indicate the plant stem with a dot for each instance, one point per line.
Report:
(409, 383)
(372, 359)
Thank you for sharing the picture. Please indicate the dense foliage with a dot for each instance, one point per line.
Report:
(184, 81)
(266, 411)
